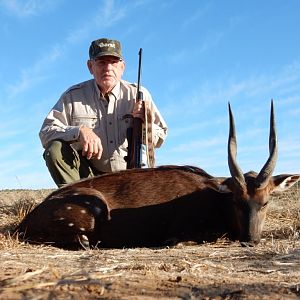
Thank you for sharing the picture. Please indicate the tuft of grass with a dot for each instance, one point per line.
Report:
(9, 242)
(12, 214)
(19, 209)
(283, 217)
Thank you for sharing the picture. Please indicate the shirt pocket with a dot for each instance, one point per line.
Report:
(123, 124)
(86, 120)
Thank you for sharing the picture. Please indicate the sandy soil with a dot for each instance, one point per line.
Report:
(221, 270)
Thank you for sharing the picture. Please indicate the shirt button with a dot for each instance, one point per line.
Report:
(110, 123)
(111, 142)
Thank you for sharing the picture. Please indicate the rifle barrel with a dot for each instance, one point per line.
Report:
(139, 95)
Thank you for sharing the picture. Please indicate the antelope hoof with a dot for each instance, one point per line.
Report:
(84, 241)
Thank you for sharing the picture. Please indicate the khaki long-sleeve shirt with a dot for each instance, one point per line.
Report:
(83, 104)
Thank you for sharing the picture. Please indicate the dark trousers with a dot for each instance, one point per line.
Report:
(65, 164)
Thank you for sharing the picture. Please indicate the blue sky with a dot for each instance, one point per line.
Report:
(197, 56)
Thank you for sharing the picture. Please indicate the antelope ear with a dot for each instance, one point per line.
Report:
(285, 181)
(219, 184)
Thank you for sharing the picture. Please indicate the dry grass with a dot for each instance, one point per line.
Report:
(221, 270)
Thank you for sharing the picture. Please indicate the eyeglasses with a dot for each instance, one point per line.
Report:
(105, 61)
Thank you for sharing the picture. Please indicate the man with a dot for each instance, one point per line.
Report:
(85, 132)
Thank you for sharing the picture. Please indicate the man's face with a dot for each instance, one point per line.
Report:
(107, 71)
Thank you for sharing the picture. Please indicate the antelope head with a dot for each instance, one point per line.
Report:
(251, 191)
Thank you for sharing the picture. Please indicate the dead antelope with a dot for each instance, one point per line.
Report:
(149, 207)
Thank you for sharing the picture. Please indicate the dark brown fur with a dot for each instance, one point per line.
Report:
(149, 207)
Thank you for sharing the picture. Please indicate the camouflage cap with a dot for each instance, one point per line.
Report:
(105, 47)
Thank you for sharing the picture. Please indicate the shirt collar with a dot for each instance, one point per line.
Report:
(115, 91)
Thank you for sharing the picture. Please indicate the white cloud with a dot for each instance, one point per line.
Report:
(257, 89)
(107, 15)
(78, 34)
(198, 14)
(250, 99)
(178, 57)
(181, 56)
(23, 8)
(35, 73)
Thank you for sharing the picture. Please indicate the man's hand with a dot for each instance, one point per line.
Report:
(139, 110)
(91, 143)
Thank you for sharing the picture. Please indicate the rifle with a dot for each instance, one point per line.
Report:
(134, 133)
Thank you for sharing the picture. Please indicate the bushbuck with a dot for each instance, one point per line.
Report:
(156, 206)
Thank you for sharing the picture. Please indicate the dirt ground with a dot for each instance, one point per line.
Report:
(221, 270)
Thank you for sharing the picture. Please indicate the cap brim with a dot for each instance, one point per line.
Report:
(108, 54)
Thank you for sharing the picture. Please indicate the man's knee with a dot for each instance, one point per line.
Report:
(59, 150)
(53, 149)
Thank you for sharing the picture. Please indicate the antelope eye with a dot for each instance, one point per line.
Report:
(264, 205)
